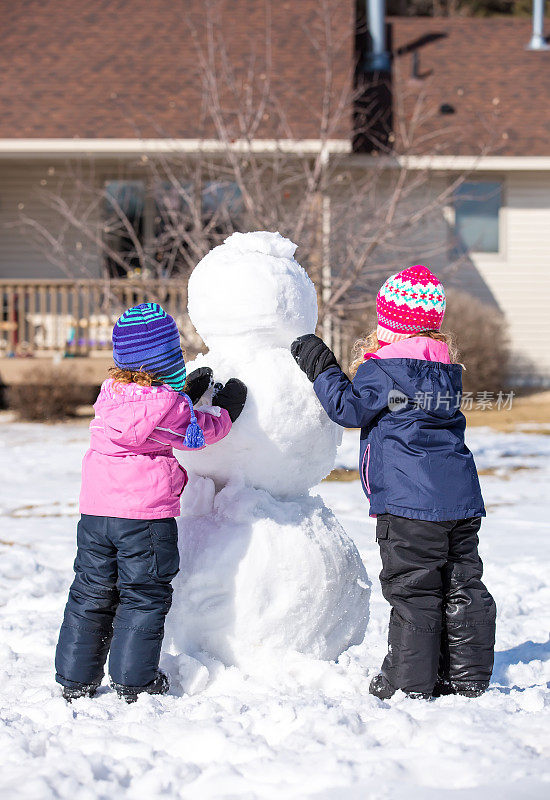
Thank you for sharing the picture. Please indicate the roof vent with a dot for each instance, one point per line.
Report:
(538, 42)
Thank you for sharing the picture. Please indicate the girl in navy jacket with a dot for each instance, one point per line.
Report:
(422, 485)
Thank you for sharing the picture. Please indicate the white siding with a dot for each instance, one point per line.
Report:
(519, 277)
(24, 252)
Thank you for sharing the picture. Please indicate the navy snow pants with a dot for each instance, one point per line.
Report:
(442, 621)
(118, 600)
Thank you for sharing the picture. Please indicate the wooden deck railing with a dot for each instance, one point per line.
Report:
(76, 317)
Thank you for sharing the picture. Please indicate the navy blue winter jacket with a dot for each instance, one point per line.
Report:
(413, 459)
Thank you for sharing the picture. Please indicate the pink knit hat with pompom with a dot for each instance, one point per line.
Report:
(409, 302)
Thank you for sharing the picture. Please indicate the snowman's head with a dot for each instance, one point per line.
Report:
(252, 286)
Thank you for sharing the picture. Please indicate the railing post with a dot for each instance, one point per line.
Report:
(65, 315)
(21, 306)
(86, 315)
(12, 323)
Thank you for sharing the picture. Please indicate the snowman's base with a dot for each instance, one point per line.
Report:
(260, 573)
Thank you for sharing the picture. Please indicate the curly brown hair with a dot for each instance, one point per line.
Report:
(370, 344)
(139, 376)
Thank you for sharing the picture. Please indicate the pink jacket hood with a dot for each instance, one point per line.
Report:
(130, 413)
(420, 347)
(130, 469)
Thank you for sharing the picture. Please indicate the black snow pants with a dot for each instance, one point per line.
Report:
(442, 621)
(119, 600)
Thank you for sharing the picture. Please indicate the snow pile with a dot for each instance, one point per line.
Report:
(264, 566)
(259, 575)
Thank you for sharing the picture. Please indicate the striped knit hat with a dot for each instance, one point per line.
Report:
(147, 338)
(409, 302)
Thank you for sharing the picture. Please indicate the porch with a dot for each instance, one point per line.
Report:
(52, 321)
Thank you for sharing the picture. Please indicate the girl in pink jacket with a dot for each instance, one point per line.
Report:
(127, 536)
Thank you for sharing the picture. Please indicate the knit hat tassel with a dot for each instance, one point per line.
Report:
(194, 436)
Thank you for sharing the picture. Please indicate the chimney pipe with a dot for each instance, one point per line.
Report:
(538, 42)
(378, 58)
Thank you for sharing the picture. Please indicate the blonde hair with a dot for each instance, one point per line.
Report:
(370, 344)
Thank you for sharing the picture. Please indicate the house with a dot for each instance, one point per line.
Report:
(502, 210)
(94, 98)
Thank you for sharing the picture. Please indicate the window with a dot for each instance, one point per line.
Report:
(123, 226)
(188, 216)
(221, 200)
(477, 210)
(161, 227)
(172, 226)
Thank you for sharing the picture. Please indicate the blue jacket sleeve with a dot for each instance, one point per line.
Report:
(353, 404)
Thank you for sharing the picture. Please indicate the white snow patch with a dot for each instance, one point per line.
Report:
(301, 728)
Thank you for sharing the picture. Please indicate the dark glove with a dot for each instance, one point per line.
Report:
(197, 383)
(232, 397)
(312, 355)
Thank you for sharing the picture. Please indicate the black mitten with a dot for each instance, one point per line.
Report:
(197, 383)
(232, 397)
(312, 355)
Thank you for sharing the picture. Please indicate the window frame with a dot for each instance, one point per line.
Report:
(482, 255)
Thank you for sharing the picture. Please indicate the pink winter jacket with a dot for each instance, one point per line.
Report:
(130, 470)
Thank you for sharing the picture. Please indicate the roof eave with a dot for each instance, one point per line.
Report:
(136, 147)
(63, 148)
(450, 163)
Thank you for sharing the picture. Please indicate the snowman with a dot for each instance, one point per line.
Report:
(266, 568)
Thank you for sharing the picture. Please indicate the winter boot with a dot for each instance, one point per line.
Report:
(160, 685)
(442, 687)
(381, 687)
(418, 695)
(71, 693)
(469, 688)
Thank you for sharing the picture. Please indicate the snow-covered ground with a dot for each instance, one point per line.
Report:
(302, 728)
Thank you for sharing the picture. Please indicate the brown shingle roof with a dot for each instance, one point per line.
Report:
(127, 68)
(500, 91)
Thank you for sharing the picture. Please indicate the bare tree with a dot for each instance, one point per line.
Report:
(354, 217)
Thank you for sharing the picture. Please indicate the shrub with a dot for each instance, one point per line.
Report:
(481, 335)
(51, 394)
